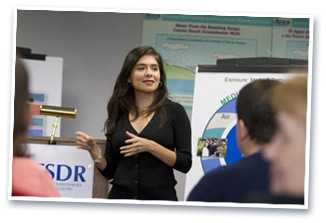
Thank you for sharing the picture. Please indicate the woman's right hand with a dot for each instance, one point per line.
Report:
(84, 141)
(88, 143)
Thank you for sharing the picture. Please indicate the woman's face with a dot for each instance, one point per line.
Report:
(287, 156)
(145, 76)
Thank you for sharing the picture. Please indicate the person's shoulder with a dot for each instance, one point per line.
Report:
(205, 188)
(25, 163)
(24, 168)
(215, 175)
(174, 106)
(29, 178)
(226, 175)
(249, 166)
(253, 161)
(238, 168)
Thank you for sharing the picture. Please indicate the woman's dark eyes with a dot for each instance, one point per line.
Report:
(143, 68)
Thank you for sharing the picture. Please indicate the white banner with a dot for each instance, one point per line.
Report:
(214, 120)
(71, 169)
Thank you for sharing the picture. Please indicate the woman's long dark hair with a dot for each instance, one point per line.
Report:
(21, 109)
(122, 100)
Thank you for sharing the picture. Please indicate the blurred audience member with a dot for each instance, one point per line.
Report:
(28, 177)
(287, 151)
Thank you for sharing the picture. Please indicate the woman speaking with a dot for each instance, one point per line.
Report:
(147, 134)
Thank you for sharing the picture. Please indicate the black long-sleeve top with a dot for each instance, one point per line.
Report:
(144, 170)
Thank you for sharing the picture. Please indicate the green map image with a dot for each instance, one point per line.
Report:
(178, 72)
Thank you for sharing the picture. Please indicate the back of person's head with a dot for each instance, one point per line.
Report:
(21, 107)
(255, 110)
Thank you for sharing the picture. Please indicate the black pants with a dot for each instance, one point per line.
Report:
(159, 193)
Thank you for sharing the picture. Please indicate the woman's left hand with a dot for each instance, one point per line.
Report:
(136, 145)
